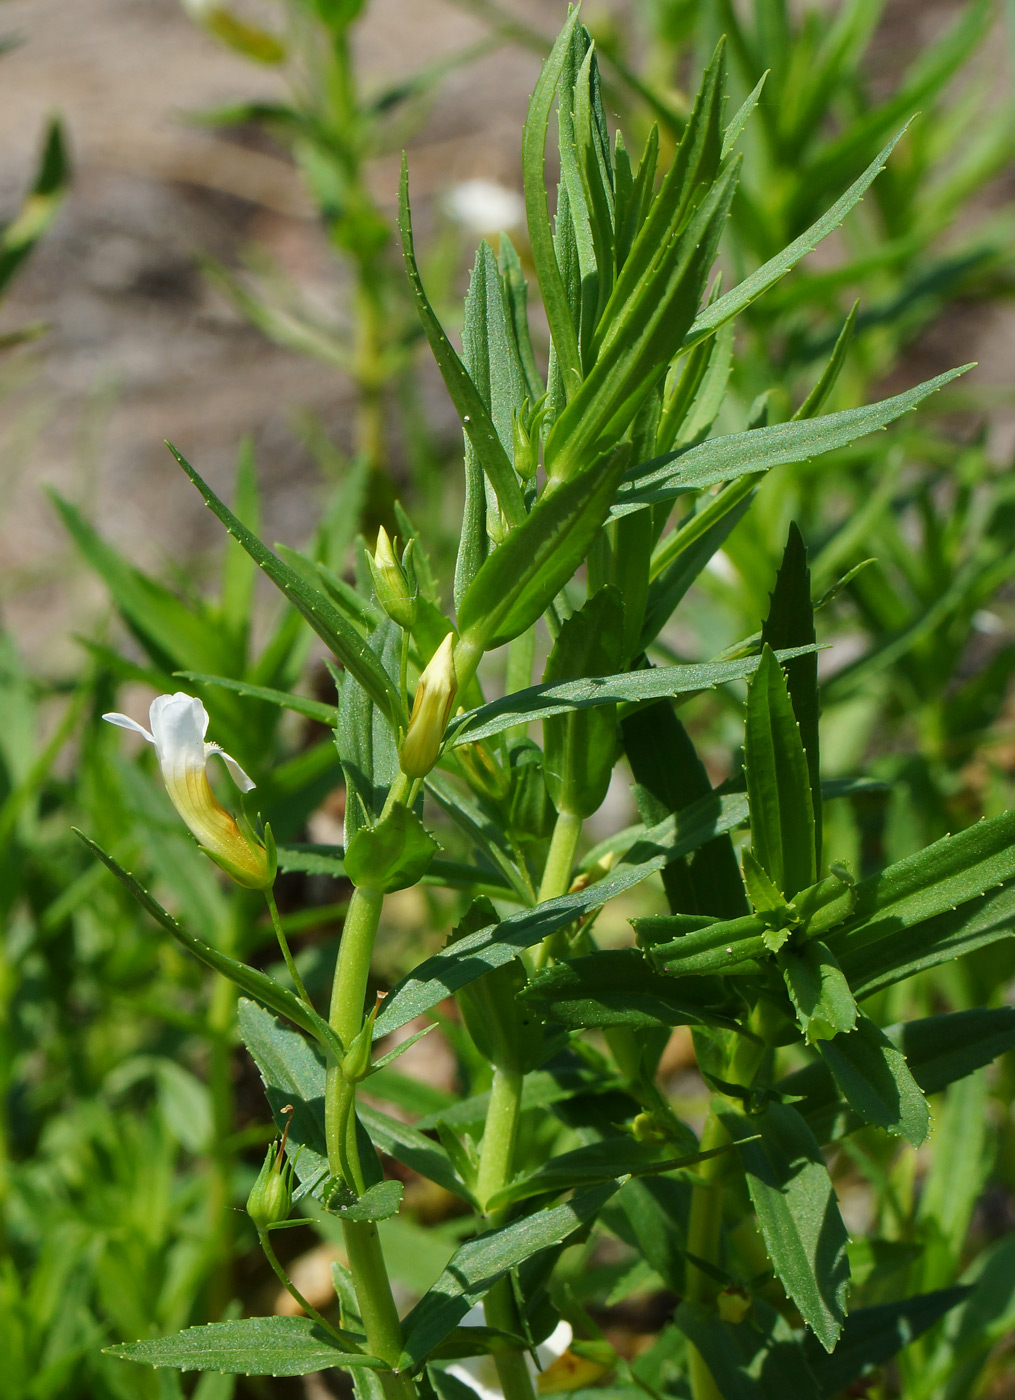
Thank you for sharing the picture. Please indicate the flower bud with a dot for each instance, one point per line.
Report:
(431, 710)
(396, 590)
(271, 1195)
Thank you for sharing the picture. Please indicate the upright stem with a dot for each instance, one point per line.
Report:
(703, 1233)
(557, 873)
(495, 1167)
(366, 1261)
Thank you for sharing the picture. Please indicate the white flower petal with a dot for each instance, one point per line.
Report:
(125, 722)
(242, 780)
(179, 723)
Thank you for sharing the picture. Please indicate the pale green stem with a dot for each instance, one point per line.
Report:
(283, 943)
(293, 1291)
(366, 1261)
(703, 1232)
(521, 655)
(495, 1168)
(557, 873)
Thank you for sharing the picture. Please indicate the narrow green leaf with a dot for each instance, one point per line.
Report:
(798, 1214)
(440, 976)
(293, 1073)
(466, 397)
(616, 987)
(814, 401)
(778, 782)
(299, 704)
(480, 1262)
(38, 211)
(766, 276)
(522, 577)
(757, 1359)
(876, 1081)
(322, 615)
(255, 983)
(933, 883)
(741, 117)
(819, 992)
(653, 683)
(790, 623)
(872, 1336)
(598, 1161)
(247, 1346)
(544, 257)
(726, 458)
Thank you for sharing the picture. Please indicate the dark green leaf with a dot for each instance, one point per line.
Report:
(872, 1336)
(440, 976)
(778, 782)
(300, 704)
(539, 701)
(876, 1081)
(757, 1359)
(620, 987)
(480, 1262)
(318, 610)
(790, 623)
(726, 458)
(521, 578)
(819, 992)
(248, 1346)
(798, 1214)
(248, 979)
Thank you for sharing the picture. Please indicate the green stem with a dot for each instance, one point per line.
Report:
(283, 943)
(366, 1261)
(221, 1023)
(703, 1237)
(495, 1167)
(294, 1292)
(557, 873)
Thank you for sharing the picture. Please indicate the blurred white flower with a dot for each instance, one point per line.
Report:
(178, 725)
(483, 206)
(480, 1373)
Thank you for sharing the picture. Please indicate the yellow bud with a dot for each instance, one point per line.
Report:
(431, 710)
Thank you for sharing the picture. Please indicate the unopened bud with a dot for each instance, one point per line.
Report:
(431, 710)
(271, 1196)
(395, 588)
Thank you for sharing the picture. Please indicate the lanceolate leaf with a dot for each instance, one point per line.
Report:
(539, 701)
(551, 284)
(725, 458)
(439, 976)
(778, 782)
(798, 1214)
(293, 1074)
(872, 1336)
(521, 578)
(876, 1081)
(766, 276)
(255, 983)
(284, 699)
(935, 881)
(480, 1262)
(247, 1346)
(621, 987)
(338, 635)
(474, 413)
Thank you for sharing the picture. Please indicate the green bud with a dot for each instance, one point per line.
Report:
(431, 710)
(530, 811)
(394, 583)
(356, 1060)
(271, 1196)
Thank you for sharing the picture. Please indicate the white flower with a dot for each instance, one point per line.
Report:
(482, 206)
(431, 710)
(178, 725)
(479, 1372)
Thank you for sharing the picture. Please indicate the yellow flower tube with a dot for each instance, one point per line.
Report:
(178, 725)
